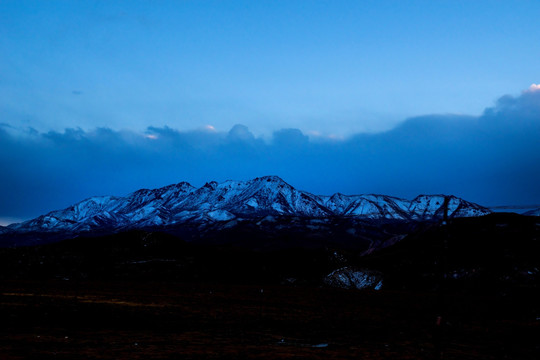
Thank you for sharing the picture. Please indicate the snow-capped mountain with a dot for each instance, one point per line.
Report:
(215, 202)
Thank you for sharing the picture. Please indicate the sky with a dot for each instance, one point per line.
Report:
(392, 97)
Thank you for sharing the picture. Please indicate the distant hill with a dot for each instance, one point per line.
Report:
(535, 212)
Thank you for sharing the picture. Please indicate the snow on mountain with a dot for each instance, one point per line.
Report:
(378, 206)
(429, 206)
(337, 203)
(260, 197)
(350, 278)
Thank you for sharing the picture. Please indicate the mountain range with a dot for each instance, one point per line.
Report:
(233, 201)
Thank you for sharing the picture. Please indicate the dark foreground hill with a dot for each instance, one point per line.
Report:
(499, 252)
(496, 252)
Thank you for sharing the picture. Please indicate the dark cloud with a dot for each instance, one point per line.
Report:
(240, 133)
(490, 159)
(522, 109)
(290, 138)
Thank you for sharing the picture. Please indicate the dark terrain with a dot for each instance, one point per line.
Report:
(150, 295)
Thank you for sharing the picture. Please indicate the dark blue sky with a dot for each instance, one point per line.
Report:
(105, 97)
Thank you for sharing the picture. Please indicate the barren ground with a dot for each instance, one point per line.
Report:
(120, 320)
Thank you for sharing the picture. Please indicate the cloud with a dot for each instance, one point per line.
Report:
(290, 137)
(533, 87)
(240, 133)
(490, 159)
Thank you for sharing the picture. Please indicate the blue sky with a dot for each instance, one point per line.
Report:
(303, 78)
(334, 67)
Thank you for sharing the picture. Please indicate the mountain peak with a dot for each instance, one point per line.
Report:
(183, 185)
(211, 185)
(270, 178)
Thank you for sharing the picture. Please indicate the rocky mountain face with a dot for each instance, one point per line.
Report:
(232, 201)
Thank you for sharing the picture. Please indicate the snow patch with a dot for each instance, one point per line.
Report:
(253, 203)
(350, 278)
(221, 215)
